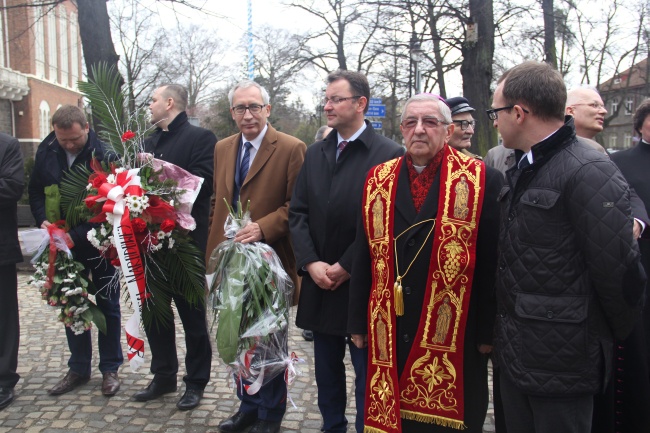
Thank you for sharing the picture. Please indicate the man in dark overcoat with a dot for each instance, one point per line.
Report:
(73, 143)
(632, 413)
(322, 219)
(11, 189)
(191, 148)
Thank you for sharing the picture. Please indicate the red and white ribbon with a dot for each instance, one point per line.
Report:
(127, 182)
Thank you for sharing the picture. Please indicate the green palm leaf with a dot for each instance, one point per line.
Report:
(106, 99)
(73, 191)
(179, 271)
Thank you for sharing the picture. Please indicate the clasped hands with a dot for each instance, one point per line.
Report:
(326, 276)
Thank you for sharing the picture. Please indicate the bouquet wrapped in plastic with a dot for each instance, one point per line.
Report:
(251, 296)
(61, 280)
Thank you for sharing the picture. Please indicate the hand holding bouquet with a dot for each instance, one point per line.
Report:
(251, 295)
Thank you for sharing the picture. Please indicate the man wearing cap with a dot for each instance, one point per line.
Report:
(461, 115)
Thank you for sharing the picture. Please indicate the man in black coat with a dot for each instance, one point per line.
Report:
(322, 220)
(72, 143)
(11, 188)
(632, 412)
(569, 277)
(191, 148)
(404, 229)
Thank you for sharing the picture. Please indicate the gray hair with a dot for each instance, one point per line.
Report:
(445, 112)
(246, 84)
(320, 134)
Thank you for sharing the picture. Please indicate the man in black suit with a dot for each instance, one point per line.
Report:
(11, 188)
(322, 219)
(632, 387)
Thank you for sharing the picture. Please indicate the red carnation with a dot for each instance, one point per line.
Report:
(167, 225)
(90, 202)
(98, 181)
(127, 136)
(116, 263)
(139, 225)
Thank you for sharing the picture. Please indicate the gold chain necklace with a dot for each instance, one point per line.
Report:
(397, 287)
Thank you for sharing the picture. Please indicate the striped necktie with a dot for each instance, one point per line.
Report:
(340, 148)
(245, 163)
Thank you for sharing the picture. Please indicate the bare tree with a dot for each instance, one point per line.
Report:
(278, 62)
(550, 52)
(348, 29)
(196, 62)
(139, 45)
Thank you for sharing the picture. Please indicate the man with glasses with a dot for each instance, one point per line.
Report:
(422, 284)
(323, 221)
(257, 165)
(588, 111)
(177, 141)
(569, 276)
(461, 116)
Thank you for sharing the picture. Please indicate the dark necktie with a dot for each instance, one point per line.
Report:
(340, 148)
(245, 163)
(523, 162)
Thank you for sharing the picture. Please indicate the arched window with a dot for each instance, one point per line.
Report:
(44, 119)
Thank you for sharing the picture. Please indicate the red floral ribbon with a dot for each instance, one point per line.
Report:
(113, 195)
(56, 233)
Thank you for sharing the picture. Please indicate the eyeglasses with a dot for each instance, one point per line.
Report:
(253, 108)
(594, 105)
(336, 100)
(464, 124)
(492, 114)
(427, 123)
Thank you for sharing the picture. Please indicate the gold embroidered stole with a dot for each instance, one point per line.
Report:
(431, 387)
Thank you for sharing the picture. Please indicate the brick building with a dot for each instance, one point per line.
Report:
(622, 94)
(40, 64)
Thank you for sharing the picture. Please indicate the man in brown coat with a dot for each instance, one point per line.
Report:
(259, 165)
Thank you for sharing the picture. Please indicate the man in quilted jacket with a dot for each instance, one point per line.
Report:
(569, 277)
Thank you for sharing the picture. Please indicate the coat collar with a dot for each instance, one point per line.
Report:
(328, 145)
(265, 151)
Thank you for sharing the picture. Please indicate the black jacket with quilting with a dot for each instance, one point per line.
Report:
(569, 275)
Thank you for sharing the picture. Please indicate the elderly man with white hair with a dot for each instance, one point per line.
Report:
(422, 285)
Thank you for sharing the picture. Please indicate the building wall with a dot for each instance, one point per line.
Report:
(50, 88)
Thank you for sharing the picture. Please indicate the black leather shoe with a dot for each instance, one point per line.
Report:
(308, 335)
(262, 426)
(190, 399)
(6, 397)
(154, 390)
(69, 382)
(238, 422)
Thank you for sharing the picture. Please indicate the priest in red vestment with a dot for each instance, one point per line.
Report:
(422, 288)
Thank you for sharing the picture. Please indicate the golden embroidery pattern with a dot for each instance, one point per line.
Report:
(431, 384)
(382, 405)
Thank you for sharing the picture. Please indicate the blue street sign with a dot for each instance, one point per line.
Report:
(374, 101)
(376, 111)
(377, 125)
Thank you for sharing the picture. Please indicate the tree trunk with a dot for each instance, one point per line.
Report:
(476, 70)
(550, 52)
(96, 40)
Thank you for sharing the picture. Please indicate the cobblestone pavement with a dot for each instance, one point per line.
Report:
(42, 362)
